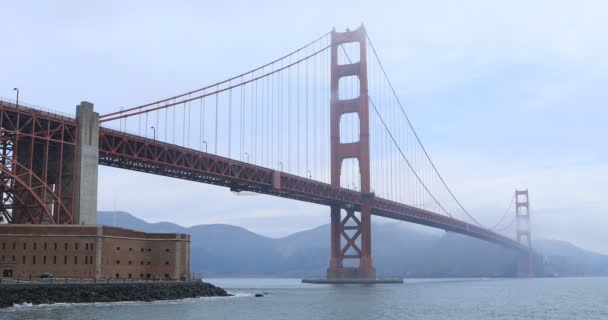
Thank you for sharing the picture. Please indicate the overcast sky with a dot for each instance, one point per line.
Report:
(504, 96)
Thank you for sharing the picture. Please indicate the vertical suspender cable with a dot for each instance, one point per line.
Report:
(216, 118)
(229, 120)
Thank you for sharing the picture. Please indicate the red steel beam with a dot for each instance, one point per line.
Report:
(123, 150)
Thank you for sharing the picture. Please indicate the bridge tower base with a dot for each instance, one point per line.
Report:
(525, 264)
(356, 233)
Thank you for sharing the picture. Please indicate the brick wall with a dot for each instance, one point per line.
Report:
(92, 251)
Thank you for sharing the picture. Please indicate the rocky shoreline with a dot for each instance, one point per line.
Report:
(12, 294)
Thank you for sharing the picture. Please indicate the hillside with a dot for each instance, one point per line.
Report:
(399, 250)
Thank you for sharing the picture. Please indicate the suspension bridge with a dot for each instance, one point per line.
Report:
(322, 124)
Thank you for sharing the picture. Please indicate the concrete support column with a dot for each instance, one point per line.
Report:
(87, 163)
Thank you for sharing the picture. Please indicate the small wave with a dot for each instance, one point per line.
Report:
(29, 306)
(48, 306)
(241, 294)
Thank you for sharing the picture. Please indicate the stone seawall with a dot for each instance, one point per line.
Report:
(11, 294)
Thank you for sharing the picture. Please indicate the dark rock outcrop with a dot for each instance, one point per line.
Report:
(11, 294)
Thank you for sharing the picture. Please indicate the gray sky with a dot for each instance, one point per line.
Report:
(504, 96)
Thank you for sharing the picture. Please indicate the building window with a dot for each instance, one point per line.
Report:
(86, 260)
(86, 246)
(65, 259)
(166, 276)
(3, 245)
(66, 246)
(141, 275)
(55, 245)
(129, 276)
(149, 263)
(141, 262)
(34, 245)
(44, 260)
(130, 262)
(117, 275)
(117, 261)
(142, 249)
(54, 259)
(45, 246)
(166, 263)
(14, 245)
(130, 249)
(24, 246)
(149, 250)
(148, 276)
(91, 259)
(76, 246)
(167, 250)
(117, 248)
(92, 246)
(23, 260)
(13, 259)
(33, 259)
(75, 259)
(2, 258)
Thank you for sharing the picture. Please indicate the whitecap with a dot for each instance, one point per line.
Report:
(30, 306)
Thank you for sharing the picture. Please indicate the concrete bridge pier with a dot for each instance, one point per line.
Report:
(87, 164)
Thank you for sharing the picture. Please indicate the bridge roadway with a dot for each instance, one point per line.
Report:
(132, 152)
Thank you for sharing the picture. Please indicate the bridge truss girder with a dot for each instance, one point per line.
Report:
(37, 154)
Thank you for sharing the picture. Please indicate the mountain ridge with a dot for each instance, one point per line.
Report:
(399, 250)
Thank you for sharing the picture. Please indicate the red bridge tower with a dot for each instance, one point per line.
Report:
(522, 217)
(355, 231)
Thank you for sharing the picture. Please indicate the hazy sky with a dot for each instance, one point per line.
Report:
(504, 96)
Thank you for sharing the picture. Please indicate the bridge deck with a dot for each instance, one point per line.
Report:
(127, 151)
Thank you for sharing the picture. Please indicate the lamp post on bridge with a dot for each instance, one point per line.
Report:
(17, 100)
(154, 132)
(204, 143)
(247, 154)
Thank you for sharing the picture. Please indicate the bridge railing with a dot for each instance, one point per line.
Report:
(35, 109)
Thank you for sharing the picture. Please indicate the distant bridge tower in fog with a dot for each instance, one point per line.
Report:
(523, 231)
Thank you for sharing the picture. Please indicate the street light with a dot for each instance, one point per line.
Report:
(281, 165)
(154, 131)
(17, 100)
(247, 154)
(205, 144)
